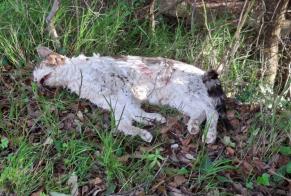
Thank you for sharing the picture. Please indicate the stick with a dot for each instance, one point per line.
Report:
(152, 16)
(233, 47)
(49, 20)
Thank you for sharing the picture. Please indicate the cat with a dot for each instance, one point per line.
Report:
(123, 83)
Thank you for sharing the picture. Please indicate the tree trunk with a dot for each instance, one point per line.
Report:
(275, 16)
(194, 9)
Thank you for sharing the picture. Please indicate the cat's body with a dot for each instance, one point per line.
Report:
(123, 83)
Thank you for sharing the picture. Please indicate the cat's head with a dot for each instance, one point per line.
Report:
(50, 63)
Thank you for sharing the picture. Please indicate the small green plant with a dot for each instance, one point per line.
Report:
(4, 143)
(109, 157)
(264, 179)
(153, 159)
(285, 150)
(280, 173)
(250, 185)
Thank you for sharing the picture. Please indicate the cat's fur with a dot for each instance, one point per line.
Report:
(123, 83)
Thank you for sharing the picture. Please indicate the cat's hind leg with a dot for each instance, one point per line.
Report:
(128, 129)
(126, 110)
(212, 119)
(148, 118)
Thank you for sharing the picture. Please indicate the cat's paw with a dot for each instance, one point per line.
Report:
(193, 127)
(146, 136)
(209, 138)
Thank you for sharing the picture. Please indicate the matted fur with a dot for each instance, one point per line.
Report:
(127, 81)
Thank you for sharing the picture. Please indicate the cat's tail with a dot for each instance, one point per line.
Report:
(215, 91)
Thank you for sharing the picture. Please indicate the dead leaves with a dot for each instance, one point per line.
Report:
(178, 181)
(180, 146)
(240, 115)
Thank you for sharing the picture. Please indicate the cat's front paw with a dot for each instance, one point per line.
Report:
(193, 127)
(146, 136)
(209, 138)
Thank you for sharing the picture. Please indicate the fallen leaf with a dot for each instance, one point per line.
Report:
(259, 165)
(80, 115)
(124, 158)
(48, 141)
(235, 123)
(84, 190)
(179, 180)
(227, 141)
(240, 189)
(96, 181)
(172, 122)
(37, 193)
(229, 151)
(214, 192)
(189, 156)
(247, 168)
(73, 183)
(174, 191)
(230, 114)
(139, 192)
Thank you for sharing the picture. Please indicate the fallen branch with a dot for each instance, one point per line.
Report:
(51, 27)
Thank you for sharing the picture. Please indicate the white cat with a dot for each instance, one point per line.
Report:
(127, 81)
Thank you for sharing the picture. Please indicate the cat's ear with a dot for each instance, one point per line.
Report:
(50, 57)
(43, 52)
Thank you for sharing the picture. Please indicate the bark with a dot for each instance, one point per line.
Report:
(193, 10)
(273, 38)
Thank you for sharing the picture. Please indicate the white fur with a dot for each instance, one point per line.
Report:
(128, 81)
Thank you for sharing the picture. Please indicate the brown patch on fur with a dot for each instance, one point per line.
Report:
(151, 60)
(120, 57)
(55, 59)
(169, 70)
(144, 69)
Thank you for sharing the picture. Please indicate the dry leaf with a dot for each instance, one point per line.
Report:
(247, 168)
(171, 123)
(229, 151)
(73, 183)
(96, 181)
(48, 141)
(80, 115)
(124, 158)
(259, 165)
(179, 180)
(37, 193)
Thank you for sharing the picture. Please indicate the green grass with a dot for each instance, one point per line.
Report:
(30, 115)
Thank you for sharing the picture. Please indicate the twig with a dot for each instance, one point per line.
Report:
(161, 167)
(51, 27)
(152, 15)
(213, 51)
(224, 65)
(193, 6)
